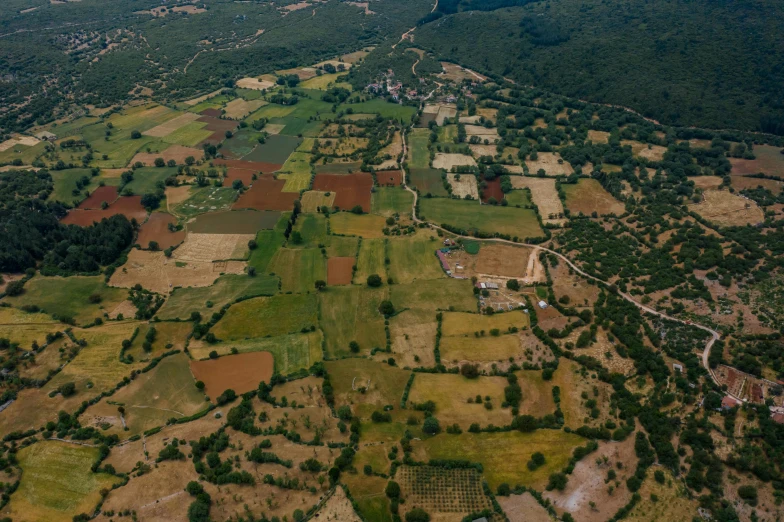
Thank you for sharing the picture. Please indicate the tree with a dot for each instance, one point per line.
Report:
(504, 490)
(374, 280)
(190, 160)
(431, 426)
(252, 271)
(344, 413)
(236, 184)
(417, 515)
(357, 209)
(320, 284)
(159, 162)
(15, 288)
(252, 244)
(393, 489)
(353, 346)
(386, 308)
(296, 238)
(199, 385)
(469, 371)
(557, 481)
(229, 134)
(135, 135)
(749, 494)
(513, 284)
(213, 354)
(67, 389)
(153, 245)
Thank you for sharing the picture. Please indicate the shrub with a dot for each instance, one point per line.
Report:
(374, 280)
(417, 515)
(469, 371)
(431, 426)
(557, 481)
(393, 489)
(386, 308)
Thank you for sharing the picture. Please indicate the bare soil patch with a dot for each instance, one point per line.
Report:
(457, 74)
(242, 372)
(206, 248)
(544, 196)
(463, 185)
(351, 190)
(156, 228)
(232, 174)
(588, 196)
(267, 194)
(338, 508)
(483, 150)
(493, 259)
(176, 195)
(99, 195)
(726, 209)
(447, 161)
(218, 125)
(389, 178)
(706, 182)
(549, 161)
(164, 129)
(484, 133)
(769, 160)
(340, 270)
(177, 153)
(523, 508)
(129, 206)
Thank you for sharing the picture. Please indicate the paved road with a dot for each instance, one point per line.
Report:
(714, 334)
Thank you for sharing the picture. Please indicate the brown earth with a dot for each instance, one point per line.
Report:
(246, 176)
(177, 153)
(156, 228)
(492, 190)
(389, 178)
(523, 508)
(340, 270)
(351, 190)
(255, 166)
(217, 125)
(130, 207)
(98, 196)
(213, 113)
(241, 372)
(267, 194)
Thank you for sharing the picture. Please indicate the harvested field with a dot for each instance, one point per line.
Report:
(267, 316)
(313, 200)
(451, 393)
(205, 97)
(155, 272)
(463, 185)
(389, 178)
(494, 260)
(255, 166)
(413, 335)
(365, 225)
(351, 190)
(233, 222)
(487, 135)
(98, 196)
(544, 196)
(483, 349)
(447, 161)
(483, 150)
(241, 372)
(129, 206)
(726, 209)
(769, 161)
(340, 270)
(551, 163)
(428, 181)
(434, 294)
(267, 194)
(176, 195)
(706, 182)
(749, 183)
(178, 153)
(156, 228)
(441, 111)
(457, 74)
(646, 150)
(461, 323)
(175, 124)
(598, 136)
(206, 248)
(254, 83)
(239, 108)
(297, 172)
(588, 196)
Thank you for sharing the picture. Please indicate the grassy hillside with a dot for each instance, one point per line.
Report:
(706, 63)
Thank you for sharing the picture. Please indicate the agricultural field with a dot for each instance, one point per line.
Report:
(413, 258)
(298, 269)
(350, 224)
(470, 215)
(351, 314)
(225, 290)
(587, 196)
(267, 316)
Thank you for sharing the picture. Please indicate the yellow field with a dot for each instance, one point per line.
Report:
(483, 349)
(458, 323)
(296, 171)
(365, 225)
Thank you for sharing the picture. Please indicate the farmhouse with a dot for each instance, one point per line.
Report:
(727, 403)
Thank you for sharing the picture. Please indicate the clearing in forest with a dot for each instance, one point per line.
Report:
(728, 210)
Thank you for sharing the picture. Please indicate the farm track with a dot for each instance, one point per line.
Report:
(714, 334)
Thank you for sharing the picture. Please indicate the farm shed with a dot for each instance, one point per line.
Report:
(542, 305)
(727, 403)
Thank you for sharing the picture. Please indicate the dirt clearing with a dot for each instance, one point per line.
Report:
(242, 372)
(351, 190)
(131, 207)
(267, 194)
(99, 195)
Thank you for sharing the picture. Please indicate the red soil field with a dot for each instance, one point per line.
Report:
(215, 113)
(99, 195)
(156, 228)
(492, 190)
(266, 194)
(218, 125)
(389, 178)
(213, 139)
(350, 189)
(245, 175)
(255, 166)
(242, 372)
(130, 207)
(340, 270)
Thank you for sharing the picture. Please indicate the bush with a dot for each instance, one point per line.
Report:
(14, 288)
(67, 389)
(374, 280)
(749, 494)
(386, 308)
(417, 515)
(659, 476)
(513, 284)
(353, 346)
(393, 489)
(504, 490)
(469, 371)
(431, 426)
(557, 481)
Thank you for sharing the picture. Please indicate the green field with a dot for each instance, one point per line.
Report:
(216, 102)
(169, 335)
(65, 183)
(362, 225)
(57, 483)
(384, 108)
(387, 201)
(24, 153)
(504, 455)
(270, 111)
(168, 391)
(296, 171)
(469, 215)
(225, 290)
(242, 143)
(435, 294)
(149, 179)
(339, 246)
(290, 352)
(276, 149)
(322, 82)
(387, 384)
(268, 242)
(350, 313)
(206, 199)
(189, 135)
(414, 258)
(267, 316)
(69, 296)
(313, 229)
(518, 197)
(428, 181)
(298, 269)
(419, 154)
(370, 260)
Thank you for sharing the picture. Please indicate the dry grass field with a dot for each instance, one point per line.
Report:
(213, 247)
(551, 163)
(239, 108)
(645, 150)
(463, 185)
(727, 209)
(544, 196)
(447, 161)
(313, 200)
(588, 196)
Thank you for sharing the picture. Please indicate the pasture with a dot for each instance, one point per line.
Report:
(313, 200)
(57, 483)
(728, 210)
(313, 230)
(470, 216)
(233, 222)
(384, 384)
(205, 199)
(349, 224)
(65, 185)
(226, 289)
(350, 313)
(545, 196)
(435, 294)
(457, 323)
(551, 163)
(428, 181)
(588, 196)
(370, 260)
(483, 349)
(267, 316)
(388, 201)
(414, 258)
(419, 154)
(298, 269)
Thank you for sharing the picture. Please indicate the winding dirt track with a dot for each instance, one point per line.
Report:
(714, 334)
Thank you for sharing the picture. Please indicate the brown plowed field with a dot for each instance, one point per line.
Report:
(130, 207)
(242, 372)
(390, 178)
(350, 190)
(99, 195)
(218, 125)
(340, 270)
(214, 113)
(267, 194)
(492, 190)
(254, 166)
(177, 153)
(246, 176)
(156, 228)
